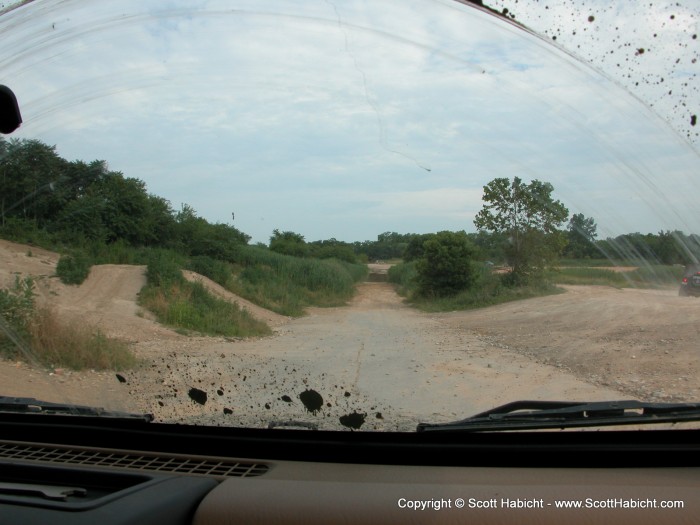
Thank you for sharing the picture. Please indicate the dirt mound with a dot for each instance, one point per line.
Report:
(21, 260)
(268, 316)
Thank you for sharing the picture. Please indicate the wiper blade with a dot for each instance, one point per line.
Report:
(29, 405)
(536, 415)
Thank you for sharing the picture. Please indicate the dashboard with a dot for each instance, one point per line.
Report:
(90, 470)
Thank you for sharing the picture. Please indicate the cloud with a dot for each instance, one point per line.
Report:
(338, 119)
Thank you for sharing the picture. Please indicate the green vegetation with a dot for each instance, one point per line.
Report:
(96, 216)
(36, 334)
(59, 345)
(486, 289)
(93, 215)
(287, 284)
(186, 305)
(580, 237)
(73, 269)
(648, 276)
(596, 263)
(530, 217)
(445, 266)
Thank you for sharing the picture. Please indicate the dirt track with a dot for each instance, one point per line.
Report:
(375, 362)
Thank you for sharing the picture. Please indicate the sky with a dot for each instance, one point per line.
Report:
(348, 119)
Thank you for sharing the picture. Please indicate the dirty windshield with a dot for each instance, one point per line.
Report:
(348, 215)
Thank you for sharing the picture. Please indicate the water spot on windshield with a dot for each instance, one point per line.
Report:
(312, 400)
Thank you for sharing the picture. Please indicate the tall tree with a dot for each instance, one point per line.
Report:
(581, 235)
(530, 217)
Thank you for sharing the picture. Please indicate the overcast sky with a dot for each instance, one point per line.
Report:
(344, 119)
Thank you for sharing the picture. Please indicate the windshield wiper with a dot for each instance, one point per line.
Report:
(536, 415)
(29, 405)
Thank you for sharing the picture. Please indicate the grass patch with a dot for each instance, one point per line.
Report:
(286, 284)
(655, 276)
(189, 306)
(646, 276)
(218, 271)
(585, 263)
(76, 346)
(38, 336)
(488, 290)
(589, 276)
(404, 276)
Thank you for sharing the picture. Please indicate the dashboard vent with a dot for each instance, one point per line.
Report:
(120, 459)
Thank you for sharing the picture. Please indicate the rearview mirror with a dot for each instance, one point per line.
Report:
(10, 118)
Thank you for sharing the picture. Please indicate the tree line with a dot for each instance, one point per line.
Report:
(521, 225)
(74, 203)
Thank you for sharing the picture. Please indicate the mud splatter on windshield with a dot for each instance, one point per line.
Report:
(650, 49)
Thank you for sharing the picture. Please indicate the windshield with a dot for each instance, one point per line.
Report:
(348, 215)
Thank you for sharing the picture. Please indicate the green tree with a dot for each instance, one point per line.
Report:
(414, 249)
(196, 236)
(530, 217)
(332, 249)
(288, 243)
(580, 236)
(445, 267)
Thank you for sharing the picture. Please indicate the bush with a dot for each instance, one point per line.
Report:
(73, 269)
(445, 268)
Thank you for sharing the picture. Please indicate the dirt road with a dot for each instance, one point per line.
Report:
(378, 364)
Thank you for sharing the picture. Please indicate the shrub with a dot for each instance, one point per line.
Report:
(73, 269)
(445, 267)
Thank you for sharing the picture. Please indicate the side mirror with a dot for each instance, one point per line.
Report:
(10, 118)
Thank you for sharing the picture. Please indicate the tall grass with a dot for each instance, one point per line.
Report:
(287, 284)
(404, 275)
(76, 346)
(220, 272)
(189, 306)
(38, 336)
